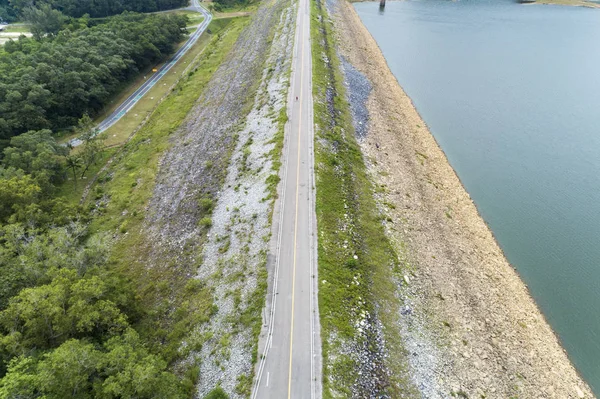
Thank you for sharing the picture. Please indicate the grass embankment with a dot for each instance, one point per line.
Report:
(172, 303)
(21, 28)
(119, 133)
(357, 264)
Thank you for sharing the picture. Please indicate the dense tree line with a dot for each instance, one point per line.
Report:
(66, 319)
(68, 331)
(50, 83)
(9, 9)
(7, 13)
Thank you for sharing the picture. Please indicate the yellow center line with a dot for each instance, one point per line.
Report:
(296, 217)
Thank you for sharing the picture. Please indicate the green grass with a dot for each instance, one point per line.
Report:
(240, 7)
(18, 28)
(72, 191)
(193, 16)
(349, 224)
(172, 304)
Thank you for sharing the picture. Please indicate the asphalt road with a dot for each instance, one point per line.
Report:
(290, 365)
(130, 102)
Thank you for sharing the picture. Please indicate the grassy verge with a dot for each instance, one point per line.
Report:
(236, 8)
(357, 264)
(18, 29)
(171, 304)
(120, 131)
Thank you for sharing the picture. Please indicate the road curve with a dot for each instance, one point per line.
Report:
(290, 365)
(130, 102)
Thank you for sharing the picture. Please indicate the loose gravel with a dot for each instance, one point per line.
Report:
(358, 89)
(236, 250)
(221, 153)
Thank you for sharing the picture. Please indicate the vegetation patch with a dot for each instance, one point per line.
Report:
(173, 304)
(80, 316)
(358, 308)
(53, 79)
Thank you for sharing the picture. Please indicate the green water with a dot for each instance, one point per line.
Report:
(512, 94)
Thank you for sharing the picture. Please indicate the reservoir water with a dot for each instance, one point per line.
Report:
(511, 92)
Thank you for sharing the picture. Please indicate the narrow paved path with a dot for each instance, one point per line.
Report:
(290, 365)
(130, 102)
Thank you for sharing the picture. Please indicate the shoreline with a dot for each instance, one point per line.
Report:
(568, 3)
(482, 328)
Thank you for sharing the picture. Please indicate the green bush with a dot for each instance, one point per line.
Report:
(206, 222)
(217, 393)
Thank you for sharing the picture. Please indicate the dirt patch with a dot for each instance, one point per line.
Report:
(469, 321)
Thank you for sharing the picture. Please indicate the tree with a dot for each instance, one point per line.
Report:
(69, 307)
(129, 371)
(16, 195)
(93, 142)
(67, 372)
(38, 154)
(44, 20)
(29, 258)
(52, 83)
(122, 368)
(73, 163)
(21, 379)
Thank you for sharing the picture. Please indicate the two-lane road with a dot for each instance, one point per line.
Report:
(290, 366)
(130, 102)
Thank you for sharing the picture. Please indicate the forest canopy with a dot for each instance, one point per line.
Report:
(52, 82)
(71, 324)
(9, 9)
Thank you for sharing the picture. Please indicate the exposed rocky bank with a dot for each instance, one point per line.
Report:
(469, 323)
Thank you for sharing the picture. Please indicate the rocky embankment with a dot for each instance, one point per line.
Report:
(469, 325)
(212, 202)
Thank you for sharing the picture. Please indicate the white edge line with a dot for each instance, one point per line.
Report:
(113, 118)
(281, 213)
